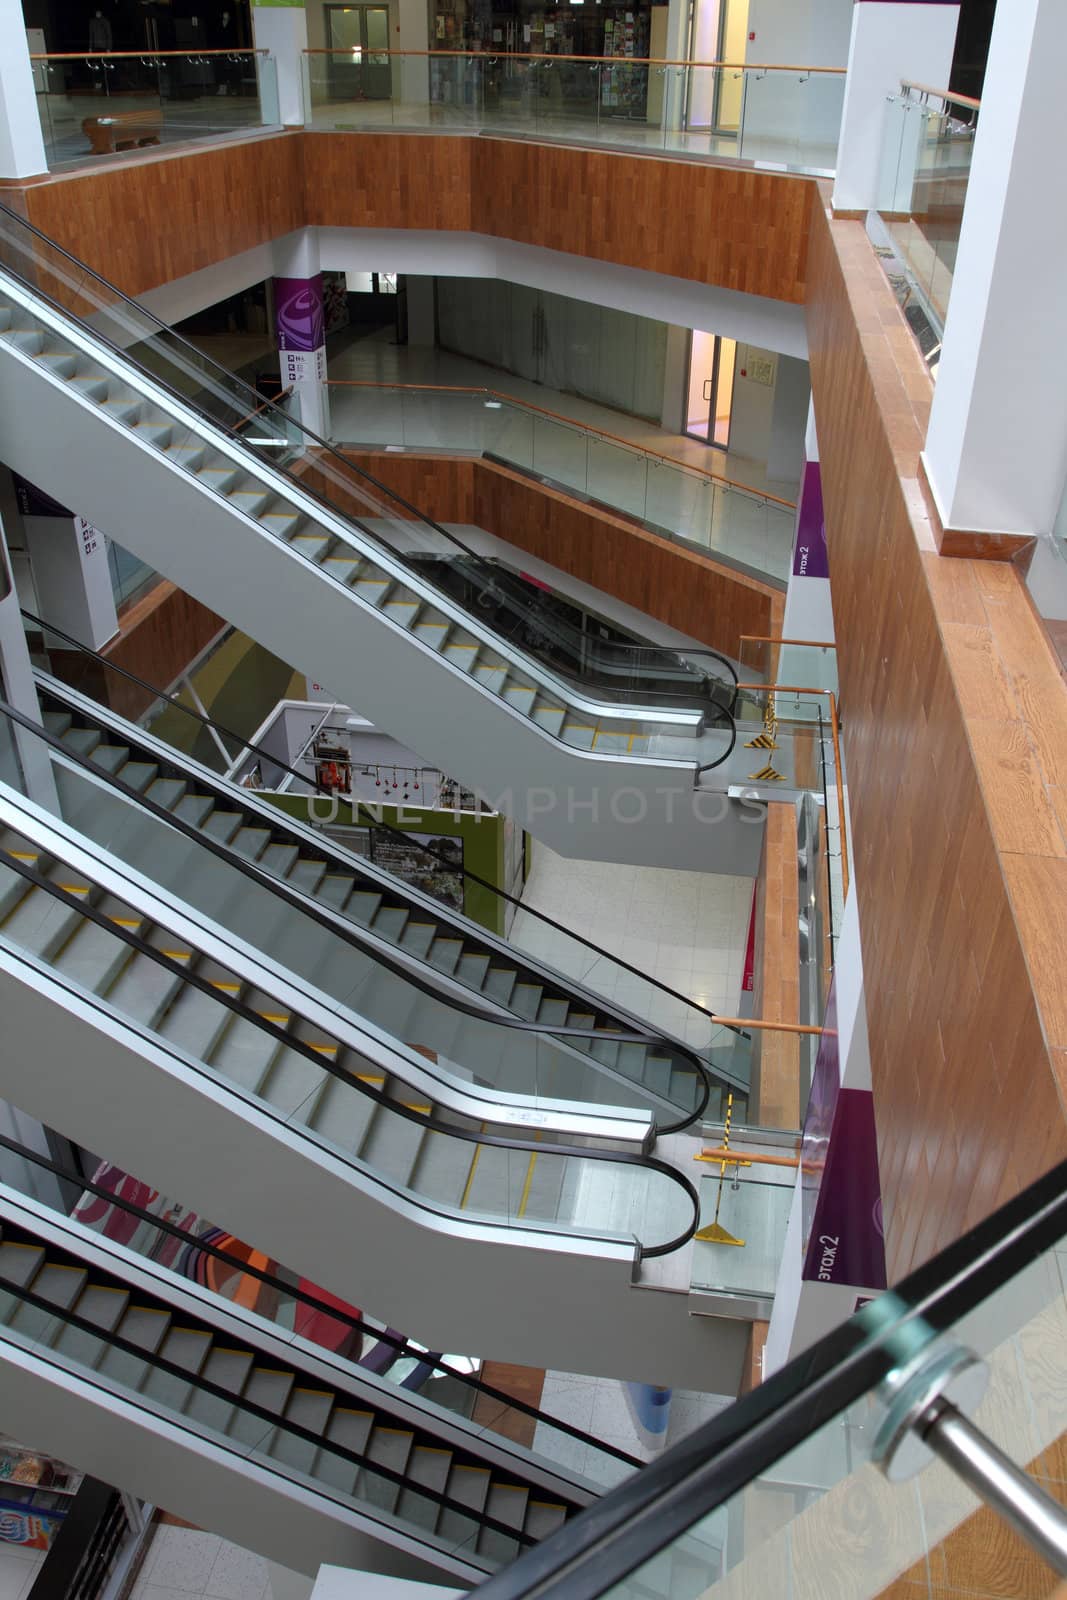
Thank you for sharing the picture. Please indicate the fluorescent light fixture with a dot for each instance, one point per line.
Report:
(275, 444)
(494, 405)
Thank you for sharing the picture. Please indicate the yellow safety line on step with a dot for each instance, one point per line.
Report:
(25, 855)
(74, 888)
(325, 1049)
(630, 742)
(525, 1196)
(470, 1175)
(216, 983)
(127, 922)
(181, 955)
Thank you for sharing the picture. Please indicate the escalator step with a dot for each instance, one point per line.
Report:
(222, 825)
(19, 1263)
(141, 1325)
(429, 1468)
(311, 545)
(166, 792)
(342, 1115)
(491, 676)
(93, 957)
(194, 1023)
(472, 969)
(417, 937)
(195, 809)
(657, 1074)
(497, 1182)
(105, 1307)
(507, 1504)
(553, 1012)
(283, 523)
(335, 889)
(244, 1054)
(463, 656)
(83, 741)
(444, 954)
(499, 983)
(306, 875)
(58, 1284)
(432, 633)
(111, 757)
(308, 1408)
(280, 859)
(40, 925)
(57, 722)
(350, 1429)
(343, 568)
(390, 1147)
(526, 1000)
(390, 922)
(139, 774)
(293, 1085)
(468, 1486)
(443, 1169)
(250, 842)
(402, 611)
(520, 696)
(389, 1447)
(230, 1370)
(144, 989)
(543, 1518)
(267, 1387)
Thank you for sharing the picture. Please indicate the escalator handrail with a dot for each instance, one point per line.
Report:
(703, 1472)
(351, 934)
(466, 872)
(429, 1123)
(271, 1280)
(174, 1369)
(262, 404)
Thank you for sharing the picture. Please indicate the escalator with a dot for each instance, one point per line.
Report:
(208, 1407)
(327, 1140)
(332, 573)
(678, 1083)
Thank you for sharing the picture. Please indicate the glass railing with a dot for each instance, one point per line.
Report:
(135, 1215)
(314, 1069)
(927, 147)
(859, 1467)
(772, 659)
(724, 518)
(549, 1059)
(785, 116)
(106, 104)
(544, 940)
(279, 441)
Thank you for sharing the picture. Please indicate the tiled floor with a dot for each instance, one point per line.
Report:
(745, 529)
(599, 1406)
(184, 1561)
(686, 929)
(18, 1570)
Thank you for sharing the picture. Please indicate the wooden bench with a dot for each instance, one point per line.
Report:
(122, 130)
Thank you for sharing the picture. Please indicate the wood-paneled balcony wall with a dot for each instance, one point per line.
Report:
(955, 714)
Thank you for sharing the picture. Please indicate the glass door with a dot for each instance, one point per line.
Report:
(359, 38)
(710, 388)
(730, 86)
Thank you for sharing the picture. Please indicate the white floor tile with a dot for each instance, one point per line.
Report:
(237, 1575)
(181, 1559)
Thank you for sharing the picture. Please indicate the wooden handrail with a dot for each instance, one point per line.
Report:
(942, 94)
(614, 61)
(571, 422)
(263, 406)
(767, 638)
(796, 688)
(770, 1027)
(139, 55)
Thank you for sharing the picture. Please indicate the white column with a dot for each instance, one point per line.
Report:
(411, 74)
(891, 40)
(996, 447)
(16, 677)
(302, 350)
(422, 329)
(282, 29)
(21, 144)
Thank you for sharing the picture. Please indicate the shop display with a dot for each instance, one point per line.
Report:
(439, 874)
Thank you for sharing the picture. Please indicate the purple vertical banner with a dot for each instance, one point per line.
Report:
(298, 314)
(841, 1194)
(810, 556)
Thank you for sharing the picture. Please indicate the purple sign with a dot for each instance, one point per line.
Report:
(810, 559)
(298, 313)
(847, 1243)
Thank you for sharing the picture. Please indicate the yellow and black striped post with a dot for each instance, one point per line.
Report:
(714, 1233)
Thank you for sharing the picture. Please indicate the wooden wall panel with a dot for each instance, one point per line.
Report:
(686, 590)
(776, 972)
(145, 222)
(966, 1098)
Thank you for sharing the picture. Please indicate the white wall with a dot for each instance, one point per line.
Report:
(810, 33)
(792, 396)
(771, 324)
(605, 354)
(21, 145)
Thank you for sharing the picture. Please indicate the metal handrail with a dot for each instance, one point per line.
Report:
(571, 422)
(305, 1297)
(431, 850)
(942, 94)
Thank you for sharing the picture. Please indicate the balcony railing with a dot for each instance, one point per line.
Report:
(928, 143)
(726, 519)
(101, 104)
(785, 116)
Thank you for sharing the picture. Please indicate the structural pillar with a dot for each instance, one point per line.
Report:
(300, 328)
(996, 447)
(22, 153)
(892, 40)
(280, 26)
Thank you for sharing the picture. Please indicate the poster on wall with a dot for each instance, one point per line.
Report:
(335, 312)
(439, 875)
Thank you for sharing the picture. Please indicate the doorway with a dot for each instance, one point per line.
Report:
(730, 86)
(710, 388)
(359, 38)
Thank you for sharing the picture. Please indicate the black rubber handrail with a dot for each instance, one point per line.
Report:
(430, 1123)
(218, 1391)
(431, 850)
(651, 1510)
(351, 934)
(201, 361)
(271, 1280)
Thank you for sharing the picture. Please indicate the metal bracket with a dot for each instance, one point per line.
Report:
(954, 1374)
